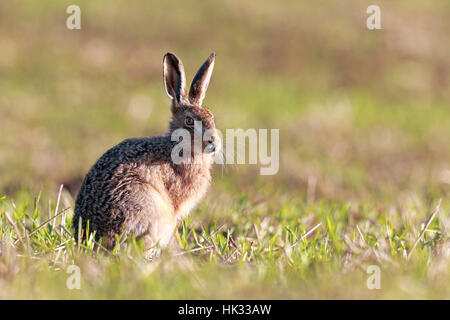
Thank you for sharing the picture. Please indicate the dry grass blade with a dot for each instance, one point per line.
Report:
(217, 230)
(62, 245)
(16, 230)
(427, 224)
(69, 234)
(306, 234)
(360, 234)
(193, 250)
(258, 235)
(57, 204)
(48, 221)
(233, 243)
(104, 249)
(27, 238)
(213, 244)
(44, 224)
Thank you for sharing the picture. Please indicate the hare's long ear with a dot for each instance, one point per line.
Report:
(201, 81)
(174, 78)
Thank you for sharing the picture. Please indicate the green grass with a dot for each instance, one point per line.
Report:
(255, 251)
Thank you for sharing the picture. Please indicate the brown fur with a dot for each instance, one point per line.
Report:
(135, 187)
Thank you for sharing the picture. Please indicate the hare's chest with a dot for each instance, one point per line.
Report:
(194, 193)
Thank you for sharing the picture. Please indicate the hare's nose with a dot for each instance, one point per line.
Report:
(210, 147)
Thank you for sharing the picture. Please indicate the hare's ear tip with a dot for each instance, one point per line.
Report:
(171, 56)
(212, 55)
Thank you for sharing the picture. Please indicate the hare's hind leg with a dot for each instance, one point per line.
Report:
(155, 220)
(160, 236)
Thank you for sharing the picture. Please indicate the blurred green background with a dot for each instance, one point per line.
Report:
(361, 113)
(364, 118)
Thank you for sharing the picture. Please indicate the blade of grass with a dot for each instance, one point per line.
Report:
(427, 224)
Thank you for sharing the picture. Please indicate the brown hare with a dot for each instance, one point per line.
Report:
(136, 187)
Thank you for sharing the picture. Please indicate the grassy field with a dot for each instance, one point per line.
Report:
(364, 119)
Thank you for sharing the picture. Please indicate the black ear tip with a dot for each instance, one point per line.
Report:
(171, 56)
(213, 55)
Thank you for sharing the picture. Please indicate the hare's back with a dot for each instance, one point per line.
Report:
(126, 162)
(113, 185)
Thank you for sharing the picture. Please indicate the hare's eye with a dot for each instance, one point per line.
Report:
(189, 121)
